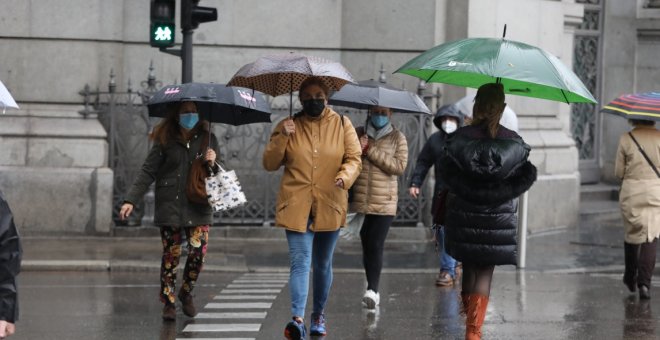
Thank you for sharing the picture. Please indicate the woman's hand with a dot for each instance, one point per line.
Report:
(288, 127)
(210, 156)
(340, 183)
(364, 141)
(126, 210)
(414, 192)
(6, 329)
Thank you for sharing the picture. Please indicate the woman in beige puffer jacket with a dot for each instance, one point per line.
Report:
(375, 192)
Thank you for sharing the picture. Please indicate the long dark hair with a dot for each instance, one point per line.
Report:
(488, 107)
(168, 129)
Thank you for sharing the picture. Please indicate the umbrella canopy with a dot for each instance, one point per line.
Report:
(509, 118)
(215, 102)
(283, 73)
(368, 93)
(636, 106)
(6, 100)
(523, 69)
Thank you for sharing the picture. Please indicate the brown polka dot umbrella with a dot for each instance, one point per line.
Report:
(283, 73)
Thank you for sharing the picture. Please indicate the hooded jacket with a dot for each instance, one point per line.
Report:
(321, 151)
(433, 150)
(10, 263)
(484, 176)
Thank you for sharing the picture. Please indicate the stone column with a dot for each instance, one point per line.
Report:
(53, 170)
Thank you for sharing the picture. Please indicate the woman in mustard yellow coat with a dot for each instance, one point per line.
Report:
(320, 152)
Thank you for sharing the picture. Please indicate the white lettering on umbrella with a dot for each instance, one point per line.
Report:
(172, 90)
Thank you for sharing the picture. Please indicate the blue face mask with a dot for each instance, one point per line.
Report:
(379, 121)
(188, 120)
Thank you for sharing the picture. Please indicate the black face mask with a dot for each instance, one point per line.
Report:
(313, 107)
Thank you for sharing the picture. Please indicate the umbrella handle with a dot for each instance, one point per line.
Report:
(291, 97)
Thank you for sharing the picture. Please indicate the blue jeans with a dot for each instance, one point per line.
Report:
(447, 263)
(307, 250)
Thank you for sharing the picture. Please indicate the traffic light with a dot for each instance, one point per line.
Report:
(162, 26)
(193, 15)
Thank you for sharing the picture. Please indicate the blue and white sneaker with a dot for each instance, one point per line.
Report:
(318, 324)
(295, 330)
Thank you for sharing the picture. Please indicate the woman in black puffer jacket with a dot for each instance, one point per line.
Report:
(485, 169)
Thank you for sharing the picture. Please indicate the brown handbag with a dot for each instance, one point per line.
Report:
(199, 170)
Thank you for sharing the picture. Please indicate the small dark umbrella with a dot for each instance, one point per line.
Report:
(368, 93)
(215, 102)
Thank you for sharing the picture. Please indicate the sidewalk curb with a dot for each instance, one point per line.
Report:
(153, 266)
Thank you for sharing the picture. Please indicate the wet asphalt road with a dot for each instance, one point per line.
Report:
(124, 305)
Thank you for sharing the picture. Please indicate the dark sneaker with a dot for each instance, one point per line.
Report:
(444, 279)
(318, 325)
(295, 330)
(169, 312)
(187, 302)
(644, 293)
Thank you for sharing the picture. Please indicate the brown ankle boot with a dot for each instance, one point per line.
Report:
(187, 302)
(169, 312)
(475, 313)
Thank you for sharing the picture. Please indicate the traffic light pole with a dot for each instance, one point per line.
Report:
(191, 16)
(186, 56)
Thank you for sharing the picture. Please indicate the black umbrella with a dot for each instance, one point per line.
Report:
(215, 102)
(368, 93)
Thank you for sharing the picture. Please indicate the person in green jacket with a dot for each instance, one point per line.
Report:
(177, 145)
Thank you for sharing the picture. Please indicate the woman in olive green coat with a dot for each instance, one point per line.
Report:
(177, 142)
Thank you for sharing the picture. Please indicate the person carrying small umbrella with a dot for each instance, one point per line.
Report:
(178, 143)
(636, 164)
(485, 168)
(320, 153)
(375, 193)
(448, 119)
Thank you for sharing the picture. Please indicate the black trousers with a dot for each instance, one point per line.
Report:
(373, 233)
(640, 262)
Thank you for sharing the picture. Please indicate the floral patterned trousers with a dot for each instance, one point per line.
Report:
(171, 236)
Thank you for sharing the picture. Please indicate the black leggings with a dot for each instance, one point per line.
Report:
(640, 262)
(373, 233)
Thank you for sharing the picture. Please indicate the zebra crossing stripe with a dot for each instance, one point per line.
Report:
(249, 291)
(258, 281)
(269, 275)
(256, 285)
(239, 305)
(232, 327)
(245, 297)
(232, 315)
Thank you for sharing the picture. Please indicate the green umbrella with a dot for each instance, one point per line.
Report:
(523, 69)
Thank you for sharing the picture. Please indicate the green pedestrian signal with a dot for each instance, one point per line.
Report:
(162, 35)
(161, 32)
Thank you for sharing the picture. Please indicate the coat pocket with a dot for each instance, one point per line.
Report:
(166, 188)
